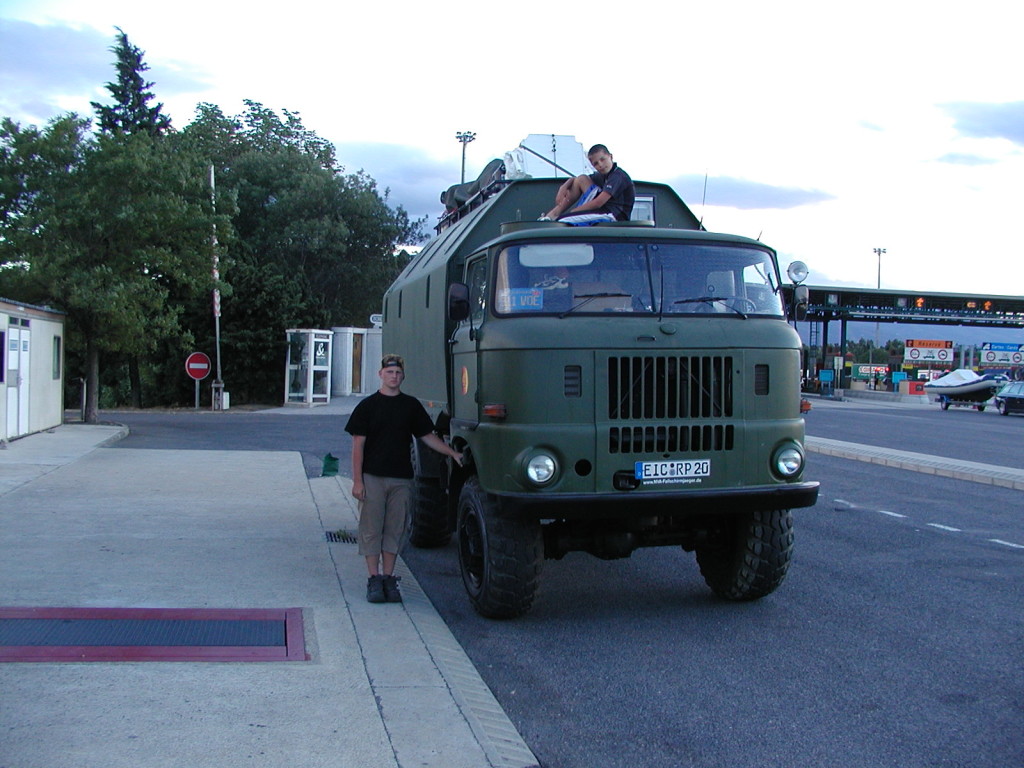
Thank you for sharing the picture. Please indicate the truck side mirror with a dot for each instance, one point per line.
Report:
(801, 298)
(458, 302)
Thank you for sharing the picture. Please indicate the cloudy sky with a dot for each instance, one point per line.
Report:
(826, 129)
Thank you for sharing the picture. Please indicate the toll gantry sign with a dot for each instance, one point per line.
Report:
(928, 351)
(995, 353)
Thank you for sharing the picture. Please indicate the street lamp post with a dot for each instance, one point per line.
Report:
(464, 137)
(878, 253)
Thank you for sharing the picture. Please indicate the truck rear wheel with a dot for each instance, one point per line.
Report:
(751, 556)
(428, 525)
(500, 557)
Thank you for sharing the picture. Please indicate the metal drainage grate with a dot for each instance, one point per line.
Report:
(342, 536)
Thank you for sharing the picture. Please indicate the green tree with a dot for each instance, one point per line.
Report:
(315, 246)
(131, 114)
(115, 231)
(131, 111)
(33, 163)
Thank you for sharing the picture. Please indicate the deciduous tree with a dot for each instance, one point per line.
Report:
(116, 239)
(315, 246)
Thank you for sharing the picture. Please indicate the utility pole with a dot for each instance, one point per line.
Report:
(464, 137)
(217, 399)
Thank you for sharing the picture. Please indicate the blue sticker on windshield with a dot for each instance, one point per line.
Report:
(528, 299)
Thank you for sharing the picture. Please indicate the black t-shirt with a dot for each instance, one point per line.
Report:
(389, 423)
(617, 184)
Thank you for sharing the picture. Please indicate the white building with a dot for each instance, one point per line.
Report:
(32, 370)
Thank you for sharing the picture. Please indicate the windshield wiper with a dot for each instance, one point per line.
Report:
(588, 297)
(712, 300)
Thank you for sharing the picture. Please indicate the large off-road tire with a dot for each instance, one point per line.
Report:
(749, 557)
(500, 557)
(429, 523)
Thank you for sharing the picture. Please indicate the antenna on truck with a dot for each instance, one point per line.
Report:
(546, 160)
(703, 198)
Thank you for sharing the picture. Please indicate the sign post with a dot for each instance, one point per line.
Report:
(197, 366)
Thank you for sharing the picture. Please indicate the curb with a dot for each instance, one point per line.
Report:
(987, 474)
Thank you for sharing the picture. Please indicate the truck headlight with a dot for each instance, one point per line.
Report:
(541, 469)
(788, 461)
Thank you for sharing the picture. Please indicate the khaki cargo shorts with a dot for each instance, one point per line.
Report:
(384, 514)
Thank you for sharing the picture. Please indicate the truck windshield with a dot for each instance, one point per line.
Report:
(636, 278)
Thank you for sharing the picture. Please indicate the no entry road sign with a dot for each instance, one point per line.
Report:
(197, 365)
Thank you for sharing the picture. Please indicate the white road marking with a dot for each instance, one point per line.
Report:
(944, 528)
(890, 514)
(1007, 543)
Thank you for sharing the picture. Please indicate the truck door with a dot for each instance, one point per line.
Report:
(464, 359)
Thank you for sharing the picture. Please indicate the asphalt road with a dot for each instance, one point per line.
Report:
(892, 642)
(897, 638)
(959, 433)
(311, 435)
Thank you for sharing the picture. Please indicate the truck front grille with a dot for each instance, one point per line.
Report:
(655, 387)
(671, 439)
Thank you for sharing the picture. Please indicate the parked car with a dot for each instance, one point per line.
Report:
(1010, 399)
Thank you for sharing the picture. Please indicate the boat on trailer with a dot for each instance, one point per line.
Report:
(965, 388)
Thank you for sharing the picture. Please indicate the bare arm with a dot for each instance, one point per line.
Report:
(441, 446)
(358, 444)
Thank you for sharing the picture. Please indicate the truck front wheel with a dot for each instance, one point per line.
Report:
(749, 557)
(500, 557)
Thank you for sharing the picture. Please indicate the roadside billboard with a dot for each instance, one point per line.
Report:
(865, 371)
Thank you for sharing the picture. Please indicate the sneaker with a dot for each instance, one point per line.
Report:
(375, 590)
(544, 218)
(391, 593)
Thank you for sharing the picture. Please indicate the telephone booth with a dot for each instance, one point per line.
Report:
(357, 353)
(307, 378)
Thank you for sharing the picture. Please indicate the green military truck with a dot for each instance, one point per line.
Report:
(625, 385)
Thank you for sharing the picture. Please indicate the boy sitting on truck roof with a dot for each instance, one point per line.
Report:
(606, 195)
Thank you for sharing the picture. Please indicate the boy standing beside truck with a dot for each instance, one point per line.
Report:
(382, 426)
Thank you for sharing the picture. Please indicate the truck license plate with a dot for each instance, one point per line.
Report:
(667, 471)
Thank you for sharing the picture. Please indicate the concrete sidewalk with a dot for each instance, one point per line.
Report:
(385, 685)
